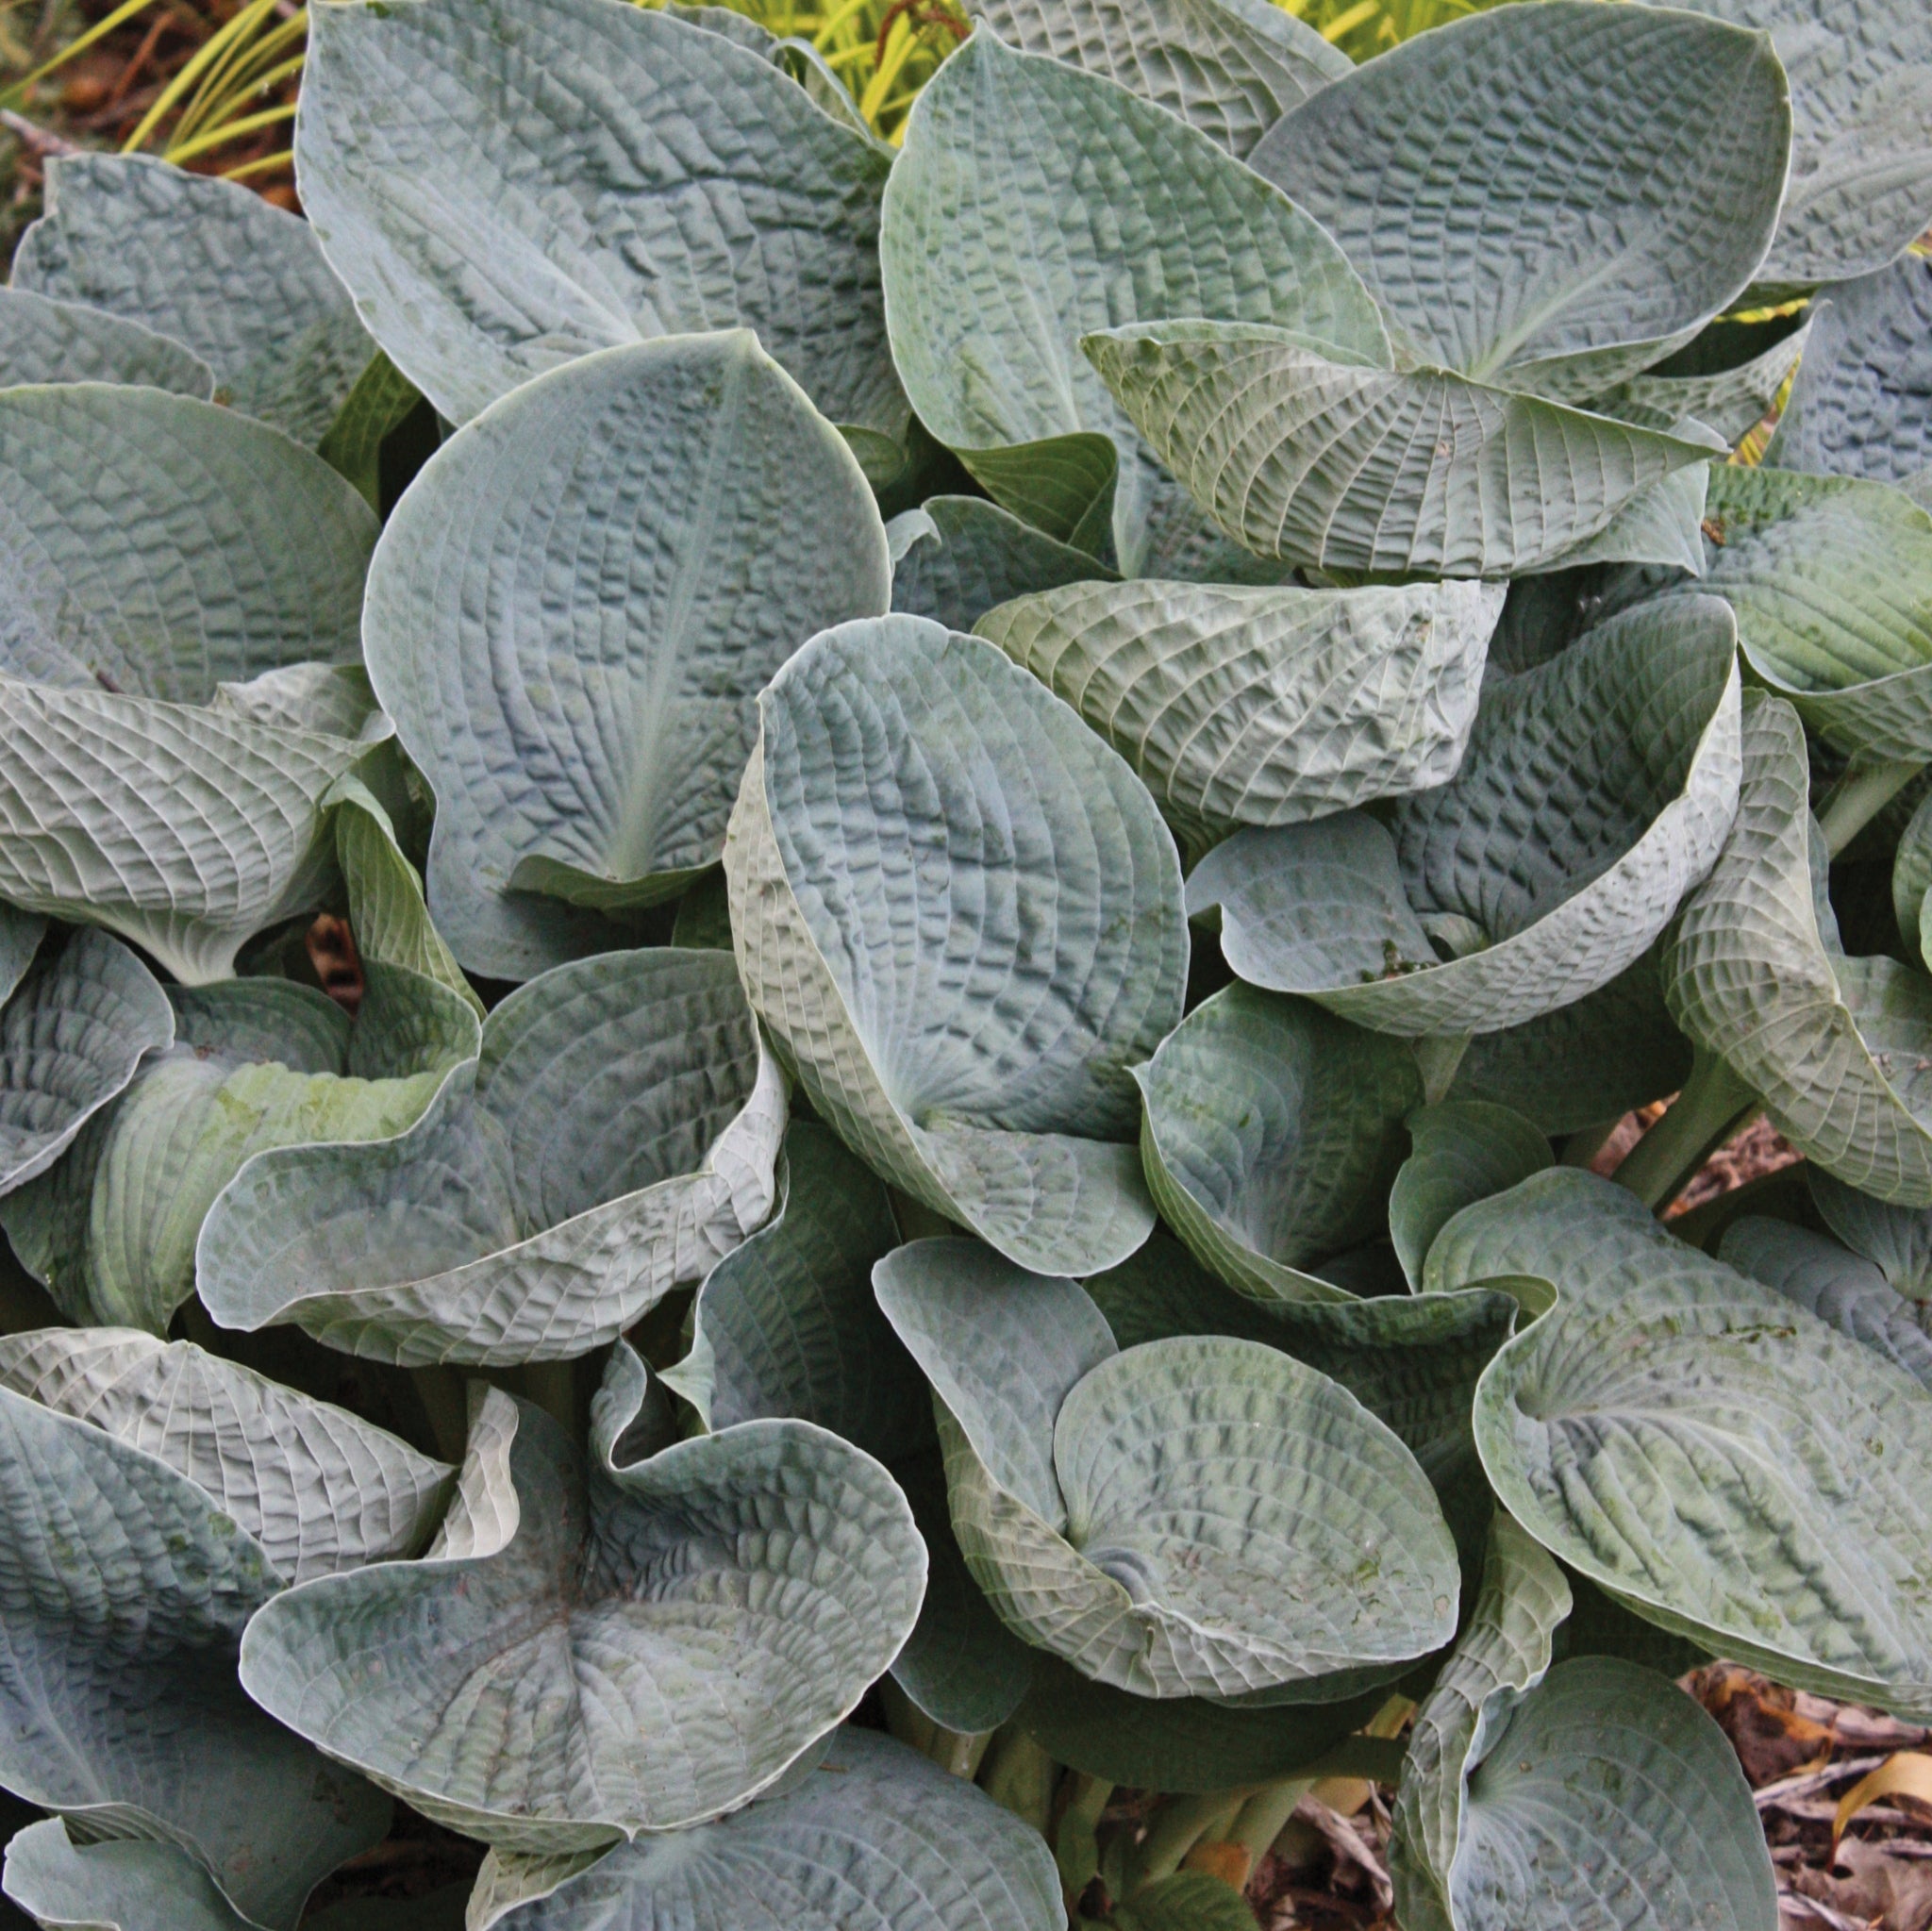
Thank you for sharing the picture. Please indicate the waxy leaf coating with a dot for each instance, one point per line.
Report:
(42, 340)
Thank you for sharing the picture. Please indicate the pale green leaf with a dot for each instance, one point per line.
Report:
(122, 1885)
(382, 397)
(1463, 1151)
(959, 914)
(1895, 1240)
(955, 558)
(42, 340)
(1732, 399)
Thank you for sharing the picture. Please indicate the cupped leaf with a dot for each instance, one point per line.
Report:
(1263, 706)
(1463, 1151)
(42, 340)
(874, 1834)
(1271, 1133)
(787, 1325)
(1834, 1046)
(1860, 190)
(122, 1885)
(1895, 1240)
(1831, 578)
(958, 913)
(72, 1037)
(1503, 247)
(1861, 404)
(1597, 788)
(1729, 397)
(955, 558)
(1725, 1463)
(1035, 203)
(255, 1064)
(595, 176)
(1842, 1290)
(650, 1643)
(126, 1591)
(616, 1139)
(1231, 68)
(1503, 1654)
(229, 551)
(572, 611)
(317, 1487)
(1134, 1512)
(1298, 454)
(240, 284)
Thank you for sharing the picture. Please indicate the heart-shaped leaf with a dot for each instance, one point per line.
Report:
(42, 340)
(1464, 1151)
(122, 1885)
(958, 913)
(571, 613)
(1895, 1240)
(615, 1140)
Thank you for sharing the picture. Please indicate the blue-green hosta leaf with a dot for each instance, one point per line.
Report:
(616, 1139)
(1270, 1134)
(256, 1063)
(1463, 1151)
(1297, 454)
(633, 1646)
(42, 340)
(319, 1488)
(1844, 1291)
(156, 544)
(72, 1036)
(21, 934)
(1503, 247)
(1860, 190)
(1725, 1463)
(124, 1592)
(874, 1834)
(1503, 1654)
(1035, 203)
(1837, 1048)
(1831, 578)
(1263, 706)
(596, 175)
(1133, 1512)
(122, 1885)
(1730, 400)
(958, 913)
(571, 613)
(1912, 881)
(1231, 68)
(1861, 404)
(787, 1325)
(240, 284)
(955, 558)
(1597, 788)
(1895, 1240)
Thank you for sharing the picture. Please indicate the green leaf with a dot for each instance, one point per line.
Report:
(787, 1325)
(1895, 1240)
(594, 176)
(1270, 1134)
(1861, 404)
(1842, 1290)
(1297, 453)
(873, 1833)
(571, 613)
(382, 396)
(238, 283)
(126, 1592)
(1723, 1462)
(636, 1646)
(615, 1141)
(959, 914)
(1503, 247)
(1463, 1151)
(1187, 1901)
(1860, 190)
(72, 1037)
(1231, 68)
(1128, 215)
(1912, 880)
(256, 1063)
(1829, 1043)
(1131, 1512)
(1263, 705)
(122, 1885)
(1831, 578)
(42, 340)
(194, 578)
(1596, 789)
(955, 558)
(318, 1487)
(1732, 398)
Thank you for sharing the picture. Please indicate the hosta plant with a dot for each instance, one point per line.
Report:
(811, 948)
